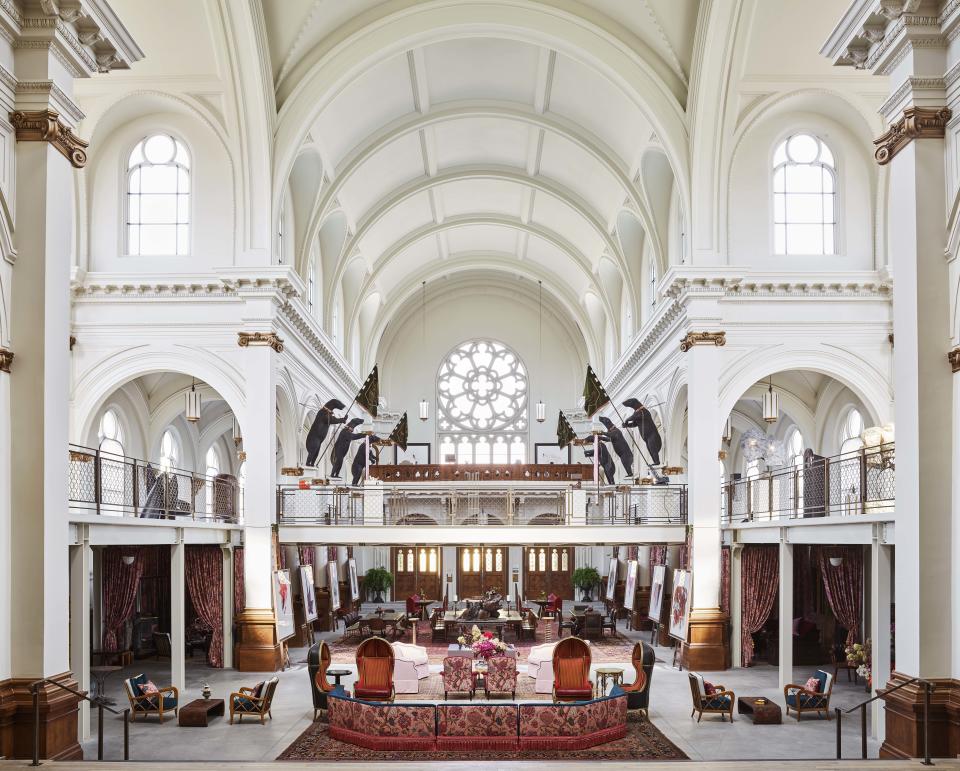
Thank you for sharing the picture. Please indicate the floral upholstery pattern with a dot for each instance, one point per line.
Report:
(484, 720)
(543, 726)
(501, 675)
(381, 726)
(458, 675)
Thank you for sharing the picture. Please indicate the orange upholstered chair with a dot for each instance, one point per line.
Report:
(571, 670)
(374, 670)
(641, 682)
(322, 666)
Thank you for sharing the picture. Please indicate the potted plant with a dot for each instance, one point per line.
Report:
(376, 581)
(585, 579)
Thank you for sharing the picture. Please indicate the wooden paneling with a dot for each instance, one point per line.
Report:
(480, 568)
(550, 570)
(506, 473)
(413, 573)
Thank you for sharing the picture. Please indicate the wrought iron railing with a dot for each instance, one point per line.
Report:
(480, 505)
(115, 485)
(861, 482)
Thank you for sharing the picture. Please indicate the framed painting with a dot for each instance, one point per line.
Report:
(354, 584)
(612, 578)
(655, 611)
(680, 604)
(630, 591)
(548, 452)
(283, 604)
(416, 454)
(309, 593)
(333, 583)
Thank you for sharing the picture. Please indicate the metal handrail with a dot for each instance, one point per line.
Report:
(927, 687)
(100, 705)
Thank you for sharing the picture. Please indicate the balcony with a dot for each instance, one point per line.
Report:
(857, 483)
(108, 485)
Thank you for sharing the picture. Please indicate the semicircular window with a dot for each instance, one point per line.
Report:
(482, 404)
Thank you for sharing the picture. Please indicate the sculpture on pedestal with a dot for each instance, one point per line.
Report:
(321, 425)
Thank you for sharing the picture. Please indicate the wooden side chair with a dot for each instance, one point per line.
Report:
(610, 622)
(528, 627)
(801, 698)
(719, 702)
(374, 670)
(592, 627)
(571, 670)
(254, 701)
(159, 702)
(163, 645)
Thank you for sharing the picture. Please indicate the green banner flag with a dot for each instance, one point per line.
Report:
(399, 434)
(565, 432)
(369, 396)
(594, 395)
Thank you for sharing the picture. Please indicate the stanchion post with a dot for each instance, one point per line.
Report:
(126, 734)
(99, 730)
(36, 724)
(863, 730)
(839, 736)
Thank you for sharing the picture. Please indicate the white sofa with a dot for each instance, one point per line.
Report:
(409, 667)
(540, 666)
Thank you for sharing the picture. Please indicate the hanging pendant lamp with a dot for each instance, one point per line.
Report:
(727, 430)
(541, 407)
(424, 412)
(192, 410)
(771, 404)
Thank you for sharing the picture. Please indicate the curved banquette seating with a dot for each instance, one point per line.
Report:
(410, 725)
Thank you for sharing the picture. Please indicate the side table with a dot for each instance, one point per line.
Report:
(336, 674)
(608, 675)
(100, 675)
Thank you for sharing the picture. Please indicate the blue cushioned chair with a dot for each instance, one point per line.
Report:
(801, 699)
(720, 702)
(253, 701)
(164, 700)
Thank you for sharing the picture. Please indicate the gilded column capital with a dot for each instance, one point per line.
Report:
(46, 126)
(954, 358)
(6, 359)
(246, 339)
(916, 123)
(702, 338)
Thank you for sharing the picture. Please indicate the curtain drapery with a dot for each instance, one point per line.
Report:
(843, 586)
(203, 570)
(120, 583)
(759, 583)
(239, 593)
(658, 556)
(725, 580)
(307, 555)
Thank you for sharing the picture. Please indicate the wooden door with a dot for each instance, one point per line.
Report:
(480, 568)
(416, 568)
(548, 569)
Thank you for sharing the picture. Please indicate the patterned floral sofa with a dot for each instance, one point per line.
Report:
(407, 725)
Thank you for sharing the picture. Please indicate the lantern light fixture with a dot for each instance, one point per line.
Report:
(771, 404)
(541, 407)
(727, 430)
(192, 410)
(836, 561)
(541, 411)
(424, 404)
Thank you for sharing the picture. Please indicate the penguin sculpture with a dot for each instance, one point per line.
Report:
(642, 419)
(606, 462)
(321, 425)
(359, 464)
(341, 445)
(620, 445)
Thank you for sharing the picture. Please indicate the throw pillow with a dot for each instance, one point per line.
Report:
(148, 688)
(813, 685)
(258, 689)
(709, 688)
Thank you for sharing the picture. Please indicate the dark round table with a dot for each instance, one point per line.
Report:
(336, 674)
(99, 676)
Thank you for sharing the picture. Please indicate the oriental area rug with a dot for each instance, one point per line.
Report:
(642, 742)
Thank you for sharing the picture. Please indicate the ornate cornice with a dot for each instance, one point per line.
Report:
(644, 345)
(306, 330)
(702, 338)
(291, 471)
(46, 126)
(246, 339)
(916, 123)
(51, 89)
(954, 358)
(6, 359)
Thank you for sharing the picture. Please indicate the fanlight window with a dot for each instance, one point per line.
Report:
(110, 433)
(851, 430)
(482, 405)
(158, 197)
(213, 468)
(804, 197)
(169, 451)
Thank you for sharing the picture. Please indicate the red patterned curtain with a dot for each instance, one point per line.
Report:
(331, 554)
(120, 583)
(204, 575)
(843, 585)
(307, 555)
(279, 558)
(658, 556)
(759, 582)
(725, 580)
(239, 593)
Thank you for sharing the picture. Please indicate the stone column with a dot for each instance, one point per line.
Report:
(786, 612)
(257, 647)
(81, 566)
(707, 647)
(736, 605)
(178, 615)
(227, 552)
(880, 586)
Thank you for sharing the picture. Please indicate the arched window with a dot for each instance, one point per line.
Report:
(794, 445)
(158, 197)
(482, 404)
(113, 472)
(850, 431)
(169, 451)
(804, 197)
(213, 468)
(110, 433)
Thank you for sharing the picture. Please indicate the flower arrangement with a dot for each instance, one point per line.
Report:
(483, 644)
(860, 654)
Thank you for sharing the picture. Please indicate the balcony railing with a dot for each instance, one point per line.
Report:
(480, 505)
(114, 485)
(861, 482)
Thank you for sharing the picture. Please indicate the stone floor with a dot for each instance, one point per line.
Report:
(710, 739)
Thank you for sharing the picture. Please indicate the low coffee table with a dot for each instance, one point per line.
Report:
(767, 713)
(198, 712)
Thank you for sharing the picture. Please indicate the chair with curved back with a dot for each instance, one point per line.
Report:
(553, 605)
(318, 662)
(638, 692)
(374, 670)
(571, 670)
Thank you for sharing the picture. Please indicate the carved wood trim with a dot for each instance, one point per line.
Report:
(46, 126)
(246, 339)
(954, 358)
(702, 338)
(6, 359)
(916, 123)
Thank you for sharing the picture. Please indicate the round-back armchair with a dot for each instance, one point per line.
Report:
(323, 664)
(571, 670)
(374, 670)
(638, 692)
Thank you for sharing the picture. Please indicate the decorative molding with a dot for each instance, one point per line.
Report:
(912, 84)
(50, 88)
(644, 345)
(954, 359)
(46, 126)
(246, 339)
(916, 123)
(672, 471)
(6, 359)
(291, 471)
(306, 330)
(718, 339)
(73, 341)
